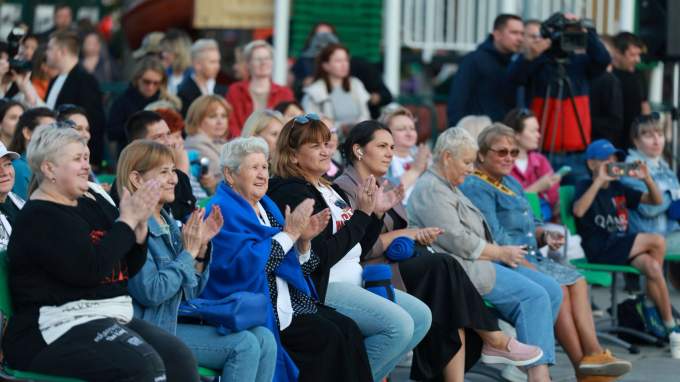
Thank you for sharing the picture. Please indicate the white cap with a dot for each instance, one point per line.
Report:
(4, 152)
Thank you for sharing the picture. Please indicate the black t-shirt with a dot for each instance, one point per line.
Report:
(606, 109)
(634, 93)
(58, 254)
(608, 215)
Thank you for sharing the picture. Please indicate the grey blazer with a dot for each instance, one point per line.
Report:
(435, 203)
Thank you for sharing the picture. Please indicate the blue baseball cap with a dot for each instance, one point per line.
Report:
(601, 149)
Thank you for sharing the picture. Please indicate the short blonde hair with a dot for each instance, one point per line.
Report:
(47, 143)
(492, 134)
(141, 155)
(259, 120)
(251, 46)
(198, 110)
(390, 113)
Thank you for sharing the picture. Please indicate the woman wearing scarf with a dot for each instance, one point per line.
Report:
(259, 251)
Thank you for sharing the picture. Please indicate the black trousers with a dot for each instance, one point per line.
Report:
(104, 350)
(328, 347)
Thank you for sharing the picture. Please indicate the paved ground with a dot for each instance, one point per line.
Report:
(651, 365)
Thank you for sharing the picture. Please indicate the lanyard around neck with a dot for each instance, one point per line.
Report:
(496, 184)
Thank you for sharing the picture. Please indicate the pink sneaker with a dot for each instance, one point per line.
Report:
(517, 354)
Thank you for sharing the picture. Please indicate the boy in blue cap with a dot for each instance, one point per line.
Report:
(601, 209)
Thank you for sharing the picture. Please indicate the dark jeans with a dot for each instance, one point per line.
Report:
(104, 350)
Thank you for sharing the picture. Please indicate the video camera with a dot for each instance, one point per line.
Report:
(14, 41)
(566, 36)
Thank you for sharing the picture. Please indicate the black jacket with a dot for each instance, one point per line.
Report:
(128, 103)
(82, 89)
(329, 247)
(188, 91)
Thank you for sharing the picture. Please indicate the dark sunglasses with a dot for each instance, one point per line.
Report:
(502, 153)
(305, 119)
(651, 117)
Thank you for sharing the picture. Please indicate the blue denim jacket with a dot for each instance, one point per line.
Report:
(509, 216)
(650, 217)
(167, 277)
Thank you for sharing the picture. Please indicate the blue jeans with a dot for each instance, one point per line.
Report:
(390, 330)
(249, 355)
(530, 301)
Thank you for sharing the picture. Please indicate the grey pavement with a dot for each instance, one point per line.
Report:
(652, 364)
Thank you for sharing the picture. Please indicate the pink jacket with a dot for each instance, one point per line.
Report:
(538, 166)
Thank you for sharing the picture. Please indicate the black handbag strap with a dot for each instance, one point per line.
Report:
(387, 284)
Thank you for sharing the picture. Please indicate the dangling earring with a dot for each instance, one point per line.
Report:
(54, 180)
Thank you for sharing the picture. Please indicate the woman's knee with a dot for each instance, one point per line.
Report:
(247, 347)
(266, 339)
(420, 313)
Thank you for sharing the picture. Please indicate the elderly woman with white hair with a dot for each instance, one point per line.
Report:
(266, 124)
(68, 273)
(258, 91)
(528, 299)
(260, 250)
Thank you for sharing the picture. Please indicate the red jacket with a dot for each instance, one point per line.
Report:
(239, 98)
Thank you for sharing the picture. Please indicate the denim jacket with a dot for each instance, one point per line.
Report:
(509, 216)
(167, 277)
(649, 217)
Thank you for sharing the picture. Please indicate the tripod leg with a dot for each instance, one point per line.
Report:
(570, 94)
(544, 115)
(556, 119)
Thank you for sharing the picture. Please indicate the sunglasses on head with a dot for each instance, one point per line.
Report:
(504, 152)
(651, 117)
(66, 108)
(523, 112)
(305, 119)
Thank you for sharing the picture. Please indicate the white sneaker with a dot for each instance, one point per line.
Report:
(513, 374)
(674, 339)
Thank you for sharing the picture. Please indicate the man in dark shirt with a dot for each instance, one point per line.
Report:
(480, 86)
(606, 103)
(627, 50)
(150, 125)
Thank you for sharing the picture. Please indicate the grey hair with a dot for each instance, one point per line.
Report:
(453, 140)
(251, 46)
(47, 143)
(201, 45)
(234, 151)
(474, 124)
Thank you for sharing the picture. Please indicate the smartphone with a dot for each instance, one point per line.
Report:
(205, 165)
(619, 169)
(564, 170)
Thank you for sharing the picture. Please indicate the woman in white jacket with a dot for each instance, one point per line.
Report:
(334, 93)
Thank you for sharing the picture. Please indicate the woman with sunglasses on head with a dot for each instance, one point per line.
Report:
(300, 162)
(532, 169)
(461, 322)
(649, 142)
(501, 200)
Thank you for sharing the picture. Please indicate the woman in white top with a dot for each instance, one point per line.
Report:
(334, 93)
(390, 329)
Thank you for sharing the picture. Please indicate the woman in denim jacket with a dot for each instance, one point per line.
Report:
(649, 140)
(176, 269)
(501, 200)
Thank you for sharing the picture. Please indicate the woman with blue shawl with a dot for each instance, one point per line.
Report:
(257, 250)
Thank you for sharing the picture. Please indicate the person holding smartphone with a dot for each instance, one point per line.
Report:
(602, 208)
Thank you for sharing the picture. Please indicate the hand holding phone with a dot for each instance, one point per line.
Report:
(619, 169)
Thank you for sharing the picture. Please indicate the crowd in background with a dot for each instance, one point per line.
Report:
(315, 201)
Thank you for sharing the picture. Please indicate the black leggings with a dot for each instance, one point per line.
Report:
(104, 350)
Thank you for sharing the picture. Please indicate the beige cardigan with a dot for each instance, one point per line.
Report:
(435, 203)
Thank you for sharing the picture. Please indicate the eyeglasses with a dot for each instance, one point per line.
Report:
(305, 119)
(502, 153)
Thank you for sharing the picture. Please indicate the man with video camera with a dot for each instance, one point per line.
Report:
(556, 71)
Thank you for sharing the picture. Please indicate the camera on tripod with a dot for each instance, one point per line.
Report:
(566, 35)
(17, 64)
